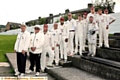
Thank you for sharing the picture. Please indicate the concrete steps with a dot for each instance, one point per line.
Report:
(71, 73)
(115, 37)
(112, 42)
(109, 53)
(58, 73)
(100, 67)
(65, 64)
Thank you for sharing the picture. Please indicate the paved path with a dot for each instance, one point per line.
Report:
(12, 59)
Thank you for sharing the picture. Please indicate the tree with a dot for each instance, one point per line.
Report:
(109, 4)
(42, 21)
(57, 21)
(75, 17)
(32, 23)
(65, 17)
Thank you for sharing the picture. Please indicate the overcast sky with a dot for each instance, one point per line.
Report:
(25, 10)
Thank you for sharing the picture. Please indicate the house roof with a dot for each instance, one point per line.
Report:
(80, 10)
(57, 15)
(14, 23)
(2, 26)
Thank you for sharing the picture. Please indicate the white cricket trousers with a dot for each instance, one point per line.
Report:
(103, 36)
(63, 48)
(46, 50)
(84, 38)
(56, 51)
(70, 42)
(92, 48)
(79, 39)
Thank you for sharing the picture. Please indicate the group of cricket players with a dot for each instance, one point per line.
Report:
(66, 38)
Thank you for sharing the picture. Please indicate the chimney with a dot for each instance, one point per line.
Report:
(50, 15)
(39, 18)
(67, 11)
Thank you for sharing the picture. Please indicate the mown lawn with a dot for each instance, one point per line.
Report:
(6, 45)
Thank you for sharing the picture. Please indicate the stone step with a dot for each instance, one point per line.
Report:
(103, 61)
(109, 53)
(112, 43)
(115, 37)
(97, 66)
(65, 64)
(12, 60)
(116, 34)
(71, 73)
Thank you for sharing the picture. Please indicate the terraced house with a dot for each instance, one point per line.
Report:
(12, 25)
(55, 18)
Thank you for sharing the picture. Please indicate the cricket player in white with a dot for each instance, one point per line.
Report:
(92, 27)
(84, 30)
(21, 48)
(36, 44)
(92, 13)
(47, 48)
(79, 35)
(72, 25)
(64, 39)
(102, 21)
(56, 37)
(110, 19)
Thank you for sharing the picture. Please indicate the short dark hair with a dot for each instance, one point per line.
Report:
(99, 9)
(106, 9)
(80, 15)
(91, 16)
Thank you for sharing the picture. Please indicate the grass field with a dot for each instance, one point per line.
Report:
(6, 45)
